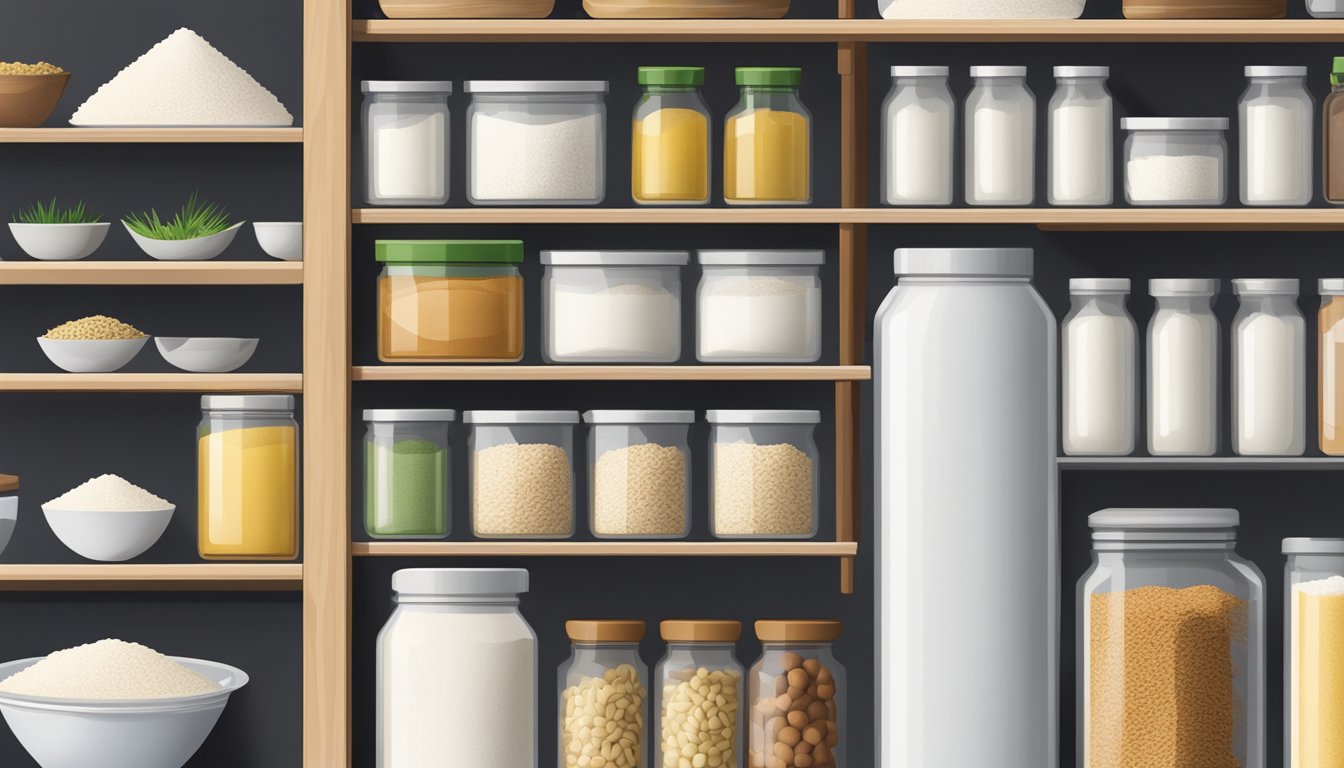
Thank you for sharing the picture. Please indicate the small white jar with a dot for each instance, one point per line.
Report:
(640, 473)
(1183, 369)
(1082, 147)
(612, 306)
(918, 128)
(1100, 348)
(522, 474)
(765, 474)
(1175, 160)
(1000, 138)
(1277, 117)
(1269, 351)
(406, 130)
(759, 307)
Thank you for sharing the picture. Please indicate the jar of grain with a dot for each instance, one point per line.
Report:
(641, 473)
(797, 691)
(406, 129)
(760, 306)
(1330, 364)
(764, 474)
(699, 689)
(522, 474)
(767, 145)
(1313, 664)
(670, 148)
(247, 449)
(604, 700)
(1171, 638)
(1175, 160)
(406, 473)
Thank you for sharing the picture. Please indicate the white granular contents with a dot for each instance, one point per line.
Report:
(984, 9)
(640, 490)
(1174, 178)
(629, 321)
(107, 493)
(522, 490)
(760, 317)
(182, 81)
(519, 158)
(108, 669)
(762, 490)
(1332, 585)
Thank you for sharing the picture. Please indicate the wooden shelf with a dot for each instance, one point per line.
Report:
(611, 373)
(1226, 463)
(151, 273)
(605, 549)
(168, 578)
(151, 135)
(657, 215)
(151, 382)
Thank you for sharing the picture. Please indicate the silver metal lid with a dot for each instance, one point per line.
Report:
(777, 258)
(1313, 546)
(1163, 519)
(535, 86)
(410, 414)
(639, 417)
(247, 403)
(616, 258)
(1174, 123)
(1275, 286)
(1082, 71)
(964, 262)
(1099, 285)
(1255, 70)
(406, 86)
(1330, 286)
(521, 417)
(463, 582)
(1182, 286)
(918, 71)
(763, 417)
(998, 71)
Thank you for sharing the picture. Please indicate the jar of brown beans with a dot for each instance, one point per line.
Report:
(796, 691)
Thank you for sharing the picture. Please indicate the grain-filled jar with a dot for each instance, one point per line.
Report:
(764, 474)
(450, 301)
(1175, 160)
(1330, 366)
(406, 485)
(671, 141)
(641, 473)
(761, 306)
(797, 696)
(247, 454)
(406, 129)
(612, 306)
(1313, 642)
(767, 144)
(522, 474)
(604, 698)
(699, 691)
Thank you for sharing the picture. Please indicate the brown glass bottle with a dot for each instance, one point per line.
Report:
(1333, 145)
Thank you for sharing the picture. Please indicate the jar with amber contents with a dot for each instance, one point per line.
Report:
(450, 301)
(670, 144)
(1330, 364)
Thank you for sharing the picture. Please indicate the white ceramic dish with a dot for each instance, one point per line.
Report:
(108, 537)
(87, 356)
(280, 239)
(9, 517)
(148, 733)
(199, 249)
(206, 354)
(59, 242)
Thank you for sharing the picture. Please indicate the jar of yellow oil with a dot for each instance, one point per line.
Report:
(767, 146)
(247, 478)
(670, 147)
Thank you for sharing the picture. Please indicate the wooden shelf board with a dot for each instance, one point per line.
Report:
(151, 273)
(654, 215)
(169, 578)
(151, 382)
(611, 373)
(605, 548)
(1227, 463)
(151, 135)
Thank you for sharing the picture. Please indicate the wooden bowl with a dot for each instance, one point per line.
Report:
(26, 101)
(467, 9)
(686, 9)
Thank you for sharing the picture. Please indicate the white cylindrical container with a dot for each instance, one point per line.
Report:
(759, 307)
(1100, 353)
(612, 306)
(918, 125)
(457, 672)
(1000, 138)
(1082, 152)
(1278, 122)
(1269, 351)
(1326, 9)
(965, 395)
(406, 131)
(1175, 160)
(1183, 368)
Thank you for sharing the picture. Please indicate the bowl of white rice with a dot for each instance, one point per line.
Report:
(108, 519)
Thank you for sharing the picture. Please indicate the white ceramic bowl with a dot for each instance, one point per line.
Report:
(199, 249)
(148, 733)
(280, 239)
(108, 537)
(206, 354)
(9, 517)
(88, 356)
(59, 242)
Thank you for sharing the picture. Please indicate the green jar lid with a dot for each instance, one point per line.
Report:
(684, 76)
(1337, 71)
(790, 77)
(449, 251)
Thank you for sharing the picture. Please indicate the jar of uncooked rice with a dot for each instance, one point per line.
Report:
(612, 306)
(641, 473)
(604, 697)
(797, 696)
(1175, 160)
(406, 129)
(764, 474)
(759, 307)
(522, 474)
(699, 689)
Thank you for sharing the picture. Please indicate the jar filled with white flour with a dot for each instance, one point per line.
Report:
(1277, 117)
(1100, 348)
(1269, 350)
(1000, 138)
(1183, 368)
(1082, 150)
(918, 125)
(1175, 160)
(522, 474)
(406, 132)
(457, 671)
(612, 306)
(759, 307)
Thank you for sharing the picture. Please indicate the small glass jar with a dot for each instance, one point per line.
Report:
(1101, 369)
(1171, 642)
(247, 454)
(1332, 138)
(764, 474)
(1000, 138)
(1330, 366)
(406, 129)
(759, 307)
(9, 508)
(797, 691)
(698, 696)
(522, 474)
(641, 474)
(919, 120)
(1082, 144)
(1183, 344)
(406, 476)
(1269, 362)
(1277, 117)
(1313, 642)
(604, 699)
(536, 142)
(670, 147)
(1175, 160)
(612, 306)
(450, 301)
(767, 145)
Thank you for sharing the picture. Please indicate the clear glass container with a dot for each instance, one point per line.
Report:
(670, 147)
(406, 473)
(640, 464)
(1330, 366)
(1183, 344)
(1269, 361)
(1332, 139)
(698, 689)
(797, 695)
(767, 145)
(1277, 117)
(604, 698)
(9, 508)
(1082, 144)
(522, 474)
(612, 306)
(536, 142)
(1171, 643)
(1101, 369)
(406, 132)
(1175, 160)
(759, 307)
(1000, 138)
(1313, 642)
(247, 458)
(919, 120)
(764, 474)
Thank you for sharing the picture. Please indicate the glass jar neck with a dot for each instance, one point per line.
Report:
(670, 88)
(1100, 298)
(1274, 303)
(1185, 303)
(779, 89)
(495, 603)
(785, 645)
(1211, 550)
(701, 646)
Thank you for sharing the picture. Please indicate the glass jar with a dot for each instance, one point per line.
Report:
(1183, 343)
(641, 474)
(671, 144)
(1313, 639)
(918, 124)
(1332, 142)
(1082, 147)
(247, 454)
(457, 671)
(612, 306)
(1000, 138)
(1330, 365)
(764, 474)
(1171, 643)
(536, 142)
(767, 145)
(522, 474)
(9, 508)
(759, 307)
(698, 693)
(406, 486)
(1277, 118)
(1269, 351)
(1175, 160)
(1101, 351)
(406, 130)
(451, 301)
(797, 691)
(604, 696)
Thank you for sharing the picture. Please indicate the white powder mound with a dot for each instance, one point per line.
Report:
(1175, 178)
(107, 493)
(1333, 585)
(182, 81)
(108, 669)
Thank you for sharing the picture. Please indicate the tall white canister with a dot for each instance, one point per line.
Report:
(1000, 138)
(967, 529)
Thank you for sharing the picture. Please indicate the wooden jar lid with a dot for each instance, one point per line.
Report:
(9, 483)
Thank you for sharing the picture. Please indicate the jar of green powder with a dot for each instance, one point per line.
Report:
(406, 473)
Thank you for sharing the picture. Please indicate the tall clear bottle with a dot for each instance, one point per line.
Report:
(1183, 369)
(1269, 380)
(1000, 138)
(1100, 354)
(918, 128)
(1082, 138)
(1276, 116)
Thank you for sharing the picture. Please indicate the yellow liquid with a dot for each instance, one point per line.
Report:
(671, 157)
(246, 488)
(767, 157)
(1317, 685)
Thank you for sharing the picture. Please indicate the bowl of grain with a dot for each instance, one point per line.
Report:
(113, 704)
(29, 93)
(96, 344)
(108, 519)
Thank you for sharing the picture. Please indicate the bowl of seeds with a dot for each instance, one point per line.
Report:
(97, 344)
(29, 92)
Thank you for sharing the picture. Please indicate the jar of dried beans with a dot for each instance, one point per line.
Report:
(698, 686)
(603, 696)
(764, 474)
(797, 697)
(1171, 629)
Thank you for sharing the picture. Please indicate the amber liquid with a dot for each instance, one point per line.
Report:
(1330, 391)
(450, 319)
(1333, 145)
